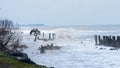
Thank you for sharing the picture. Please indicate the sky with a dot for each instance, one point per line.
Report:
(61, 12)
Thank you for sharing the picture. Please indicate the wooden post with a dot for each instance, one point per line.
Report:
(53, 36)
(104, 40)
(95, 36)
(49, 36)
(99, 39)
(113, 41)
(43, 35)
(118, 41)
(108, 40)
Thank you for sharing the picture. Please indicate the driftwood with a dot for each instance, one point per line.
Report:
(48, 47)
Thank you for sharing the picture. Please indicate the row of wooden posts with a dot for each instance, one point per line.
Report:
(37, 33)
(51, 36)
(113, 41)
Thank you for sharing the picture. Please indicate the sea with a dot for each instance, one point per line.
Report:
(78, 49)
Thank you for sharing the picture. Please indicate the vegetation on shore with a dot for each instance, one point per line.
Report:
(11, 62)
(10, 46)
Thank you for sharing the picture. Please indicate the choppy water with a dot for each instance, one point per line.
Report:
(78, 48)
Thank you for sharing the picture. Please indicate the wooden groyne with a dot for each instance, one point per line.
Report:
(37, 33)
(113, 41)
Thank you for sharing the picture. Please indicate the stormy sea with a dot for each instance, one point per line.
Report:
(77, 46)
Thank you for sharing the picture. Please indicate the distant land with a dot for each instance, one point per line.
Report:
(32, 25)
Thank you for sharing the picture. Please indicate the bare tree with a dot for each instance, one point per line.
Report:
(35, 32)
(7, 35)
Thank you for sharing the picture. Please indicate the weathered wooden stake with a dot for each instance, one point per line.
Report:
(99, 39)
(43, 35)
(96, 43)
(53, 36)
(49, 36)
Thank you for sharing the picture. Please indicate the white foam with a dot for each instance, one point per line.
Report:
(78, 49)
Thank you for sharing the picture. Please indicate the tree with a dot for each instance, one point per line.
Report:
(35, 32)
(8, 36)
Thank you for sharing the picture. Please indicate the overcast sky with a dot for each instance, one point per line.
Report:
(61, 12)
